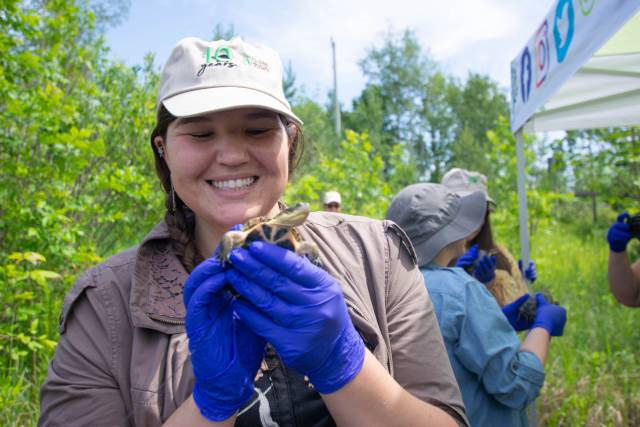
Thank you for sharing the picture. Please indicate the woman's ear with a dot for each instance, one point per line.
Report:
(292, 133)
(159, 144)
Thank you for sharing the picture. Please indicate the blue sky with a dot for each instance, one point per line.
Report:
(463, 35)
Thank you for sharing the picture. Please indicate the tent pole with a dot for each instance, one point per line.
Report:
(523, 214)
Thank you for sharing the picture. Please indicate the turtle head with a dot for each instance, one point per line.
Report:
(293, 216)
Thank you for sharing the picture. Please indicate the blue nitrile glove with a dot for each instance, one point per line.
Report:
(619, 234)
(300, 309)
(551, 317)
(530, 273)
(225, 353)
(511, 313)
(468, 258)
(485, 270)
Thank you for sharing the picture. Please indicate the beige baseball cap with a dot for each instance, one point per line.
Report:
(201, 77)
(464, 182)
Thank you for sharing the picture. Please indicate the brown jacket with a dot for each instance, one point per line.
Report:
(123, 358)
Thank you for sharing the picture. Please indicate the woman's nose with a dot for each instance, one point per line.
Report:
(231, 152)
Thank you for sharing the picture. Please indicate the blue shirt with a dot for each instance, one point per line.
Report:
(497, 381)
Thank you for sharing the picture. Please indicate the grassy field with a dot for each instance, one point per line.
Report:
(593, 371)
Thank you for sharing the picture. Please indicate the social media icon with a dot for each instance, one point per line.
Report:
(586, 6)
(542, 55)
(563, 28)
(525, 74)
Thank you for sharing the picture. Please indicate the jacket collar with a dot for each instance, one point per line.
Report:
(156, 289)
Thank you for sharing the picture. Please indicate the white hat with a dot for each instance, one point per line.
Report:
(332, 197)
(464, 182)
(201, 77)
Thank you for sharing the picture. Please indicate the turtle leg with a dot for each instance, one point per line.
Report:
(310, 251)
(230, 240)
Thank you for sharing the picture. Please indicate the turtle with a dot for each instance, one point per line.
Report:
(529, 308)
(279, 230)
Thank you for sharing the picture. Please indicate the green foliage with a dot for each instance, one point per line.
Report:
(357, 173)
(76, 180)
(396, 72)
(319, 132)
(77, 184)
(605, 161)
(591, 373)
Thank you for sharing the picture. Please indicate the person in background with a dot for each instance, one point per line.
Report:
(624, 277)
(332, 201)
(498, 376)
(487, 261)
(153, 336)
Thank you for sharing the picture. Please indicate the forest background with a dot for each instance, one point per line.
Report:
(77, 185)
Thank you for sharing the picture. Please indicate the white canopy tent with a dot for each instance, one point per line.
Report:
(587, 77)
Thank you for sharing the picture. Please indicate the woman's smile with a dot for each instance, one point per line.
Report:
(228, 166)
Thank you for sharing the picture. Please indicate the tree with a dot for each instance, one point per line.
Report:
(477, 105)
(289, 82)
(607, 162)
(357, 173)
(223, 32)
(396, 72)
(75, 166)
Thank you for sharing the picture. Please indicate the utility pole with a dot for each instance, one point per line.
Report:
(335, 90)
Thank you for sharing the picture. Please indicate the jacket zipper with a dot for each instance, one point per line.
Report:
(164, 320)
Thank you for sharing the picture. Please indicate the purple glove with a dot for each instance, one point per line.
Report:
(469, 258)
(225, 353)
(511, 313)
(551, 317)
(530, 273)
(485, 270)
(619, 234)
(300, 309)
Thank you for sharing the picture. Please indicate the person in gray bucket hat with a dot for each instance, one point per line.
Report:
(499, 376)
(434, 217)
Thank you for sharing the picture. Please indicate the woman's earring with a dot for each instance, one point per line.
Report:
(173, 199)
(160, 151)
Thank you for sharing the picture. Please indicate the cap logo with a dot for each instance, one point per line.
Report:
(473, 180)
(257, 63)
(222, 57)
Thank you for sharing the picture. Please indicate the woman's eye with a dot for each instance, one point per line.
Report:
(201, 135)
(257, 131)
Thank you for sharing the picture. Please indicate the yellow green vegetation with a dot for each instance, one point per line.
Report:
(77, 185)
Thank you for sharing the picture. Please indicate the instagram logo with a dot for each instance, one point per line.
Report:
(542, 54)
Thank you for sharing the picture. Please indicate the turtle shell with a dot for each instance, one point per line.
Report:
(279, 230)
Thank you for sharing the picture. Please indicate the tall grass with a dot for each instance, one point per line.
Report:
(593, 371)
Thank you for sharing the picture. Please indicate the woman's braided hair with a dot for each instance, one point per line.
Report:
(179, 218)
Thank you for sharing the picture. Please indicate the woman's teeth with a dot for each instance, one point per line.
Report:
(233, 184)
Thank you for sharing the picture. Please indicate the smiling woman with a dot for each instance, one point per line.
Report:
(153, 335)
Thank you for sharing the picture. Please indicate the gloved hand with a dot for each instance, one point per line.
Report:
(485, 270)
(300, 309)
(225, 353)
(469, 258)
(485, 267)
(619, 235)
(551, 317)
(511, 313)
(530, 273)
